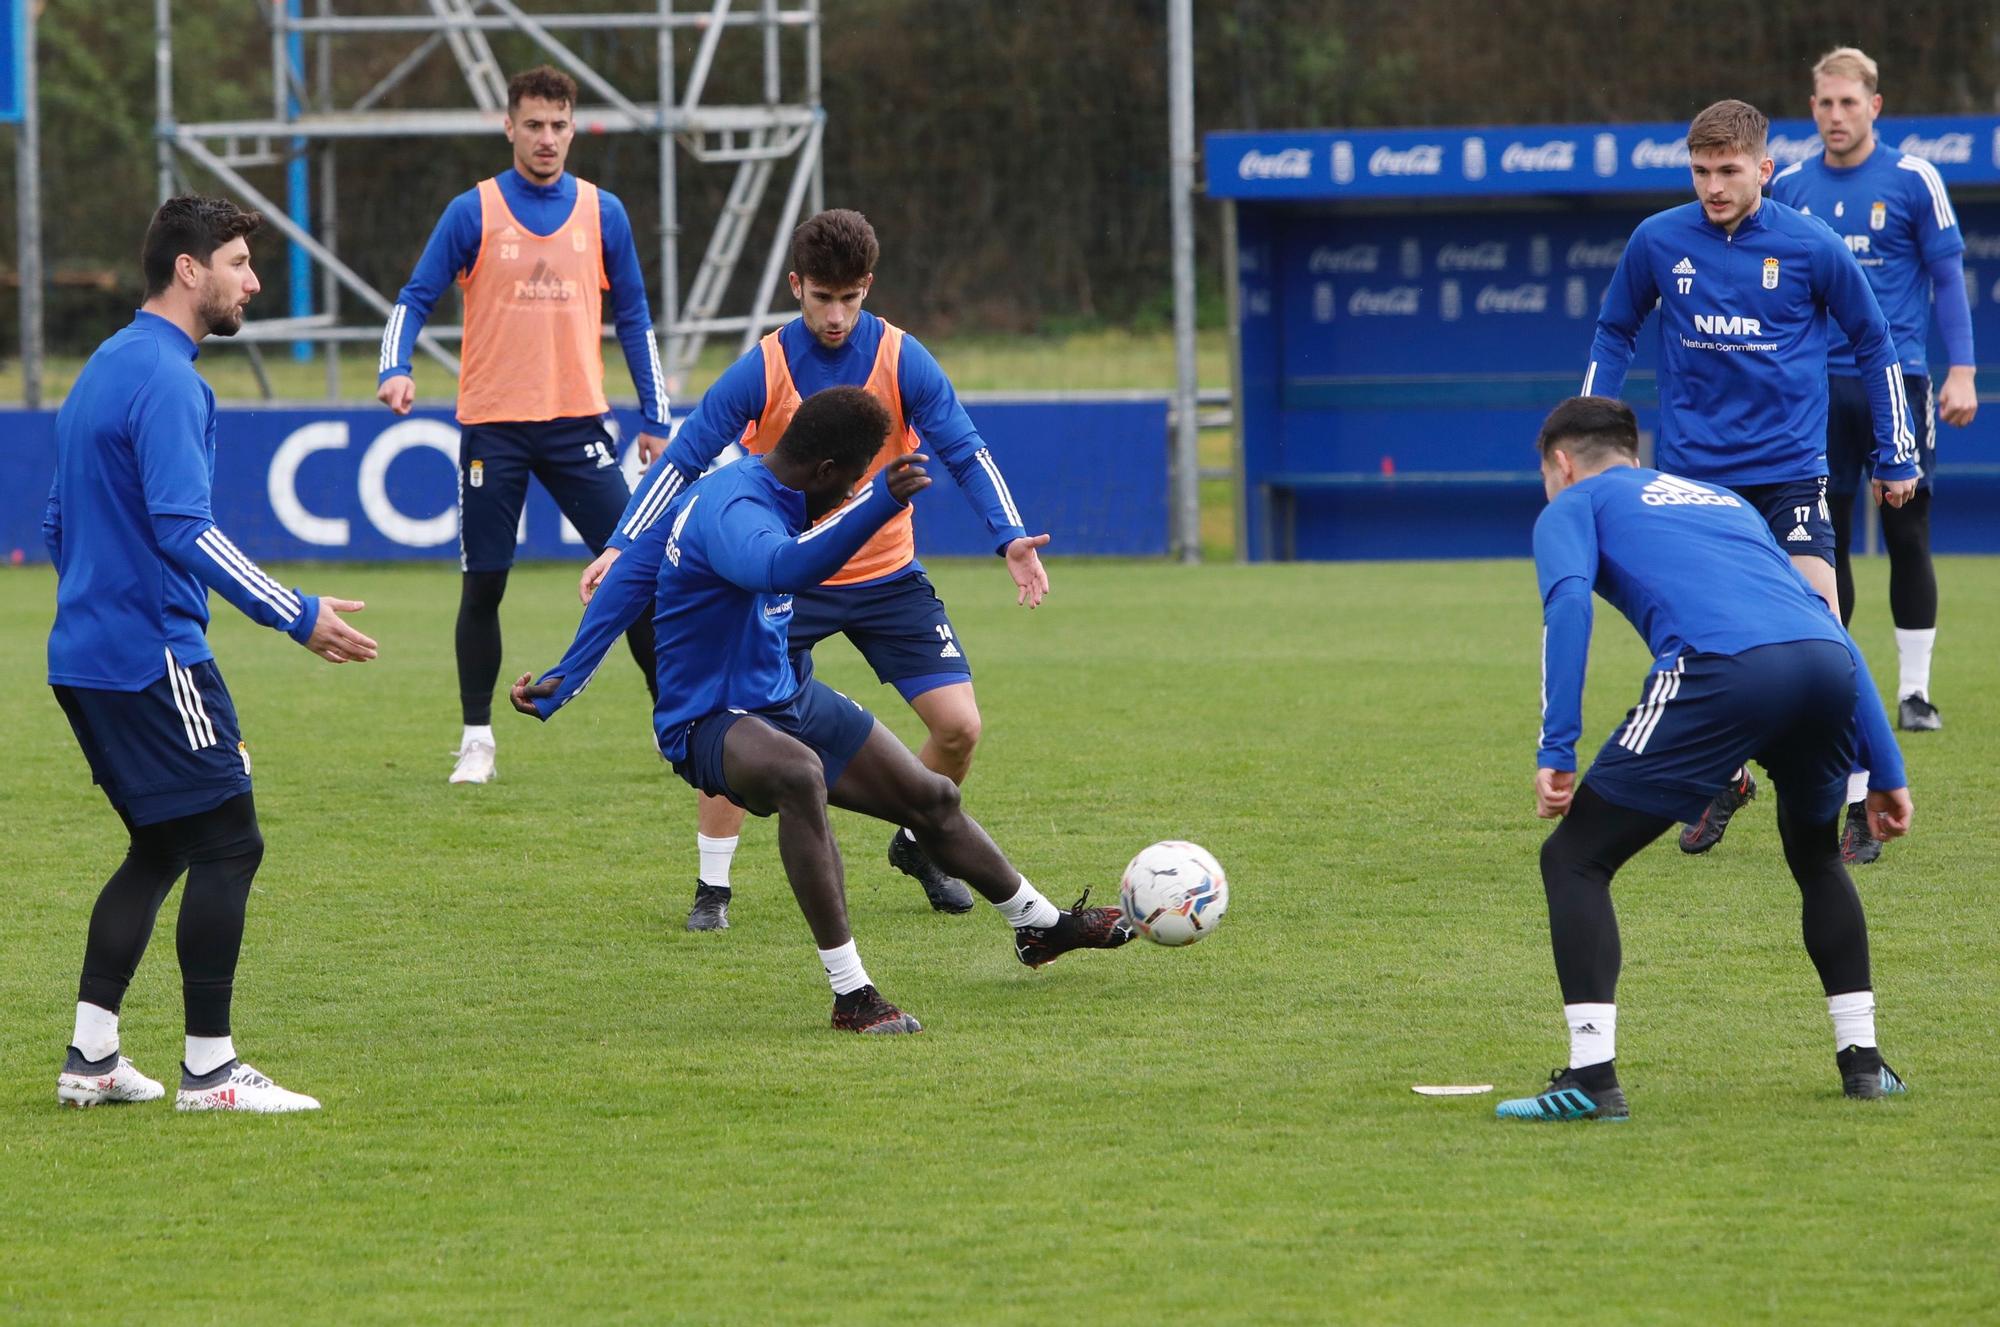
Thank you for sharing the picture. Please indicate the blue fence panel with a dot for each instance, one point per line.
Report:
(334, 483)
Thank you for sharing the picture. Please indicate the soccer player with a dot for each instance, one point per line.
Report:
(137, 550)
(1892, 211)
(1744, 286)
(1747, 663)
(881, 600)
(722, 569)
(534, 249)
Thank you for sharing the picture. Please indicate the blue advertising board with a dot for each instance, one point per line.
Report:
(1397, 358)
(349, 483)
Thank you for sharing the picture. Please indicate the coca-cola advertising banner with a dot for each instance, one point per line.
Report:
(1495, 161)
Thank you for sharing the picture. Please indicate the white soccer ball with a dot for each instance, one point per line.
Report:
(1174, 893)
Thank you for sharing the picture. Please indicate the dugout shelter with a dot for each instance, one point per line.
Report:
(1407, 304)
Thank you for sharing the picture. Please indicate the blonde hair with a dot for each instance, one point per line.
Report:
(1849, 62)
(1730, 125)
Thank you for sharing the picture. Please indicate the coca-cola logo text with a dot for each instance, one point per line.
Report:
(1944, 150)
(1393, 301)
(1584, 254)
(1487, 256)
(1354, 258)
(1529, 298)
(1981, 247)
(1293, 163)
(1556, 154)
(1652, 154)
(1423, 159)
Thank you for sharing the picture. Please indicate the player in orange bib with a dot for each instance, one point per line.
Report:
(881, 600)
(535, 251)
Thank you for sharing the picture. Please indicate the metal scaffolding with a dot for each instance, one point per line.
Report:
(308, 120)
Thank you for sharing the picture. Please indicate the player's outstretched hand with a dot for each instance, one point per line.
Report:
(1889, 813)
(1554, 788)
(593, 575)
(1958, 399)
(1024, 564)
(332, 639)
(907, 477)
(397, 393)
(526, 690)
(1895, 492)
(650, 446)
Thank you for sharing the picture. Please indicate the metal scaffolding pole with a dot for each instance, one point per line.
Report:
(28, 205)
(1186, 467)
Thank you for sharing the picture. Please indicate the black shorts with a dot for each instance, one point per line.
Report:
(574, 458)
(1850, 432)
(169, 751)
(899, 626)
(1789, 707)
(1797, 513)
(830, 724)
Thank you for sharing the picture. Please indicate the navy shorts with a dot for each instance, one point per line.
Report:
(1850, 433)
(1797, 513)
(169, 751)
(833, 726)
(1700, 716)
(899, 626)
(574, 458)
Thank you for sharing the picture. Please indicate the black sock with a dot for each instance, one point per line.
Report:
(478, 642)
(1906, 534)
(225, 849)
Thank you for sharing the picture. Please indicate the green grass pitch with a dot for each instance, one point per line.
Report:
(547, 1102)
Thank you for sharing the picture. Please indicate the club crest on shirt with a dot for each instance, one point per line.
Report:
(1878, 215)
(475, 474)
(1770, 274)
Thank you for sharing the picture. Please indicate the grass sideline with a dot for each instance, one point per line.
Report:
(545, 1100)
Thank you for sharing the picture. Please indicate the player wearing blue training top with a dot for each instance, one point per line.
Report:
(1893, 212)
(1747, 663)
(1745, 287)
(881, 600)
(137, 550)
(534, 250)
(721, 571)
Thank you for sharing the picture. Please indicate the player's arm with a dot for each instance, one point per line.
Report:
(1958, 398)
(634, 321)
(939, 418)
(453, 248)
(623, 593)
(718, 420)
(1889, 807)
(1843, 288)
(1566, 568)
(1627, 300)
(168, 427)
(750, 549)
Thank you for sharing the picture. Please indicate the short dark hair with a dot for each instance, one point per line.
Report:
(1730, 126)
(194, 226)
(844, 425)
(544, 82)
(836, 248)
(1589, 428)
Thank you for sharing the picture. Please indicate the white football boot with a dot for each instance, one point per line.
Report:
(236, 1086)
(475, 763)
(76, 1086)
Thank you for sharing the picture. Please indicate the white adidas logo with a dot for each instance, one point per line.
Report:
(1799, 536)
(1673, 491)
(1685, 267)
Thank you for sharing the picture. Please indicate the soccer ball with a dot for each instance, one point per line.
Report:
(1174, 893)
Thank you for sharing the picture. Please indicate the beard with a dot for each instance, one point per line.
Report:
(222, 317)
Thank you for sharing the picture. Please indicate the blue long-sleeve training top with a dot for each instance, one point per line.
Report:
(719, 571)
(739, 396)
(1894, 215)
(129, 525)
(1694, 569)
(1743, 344)
(542, 208)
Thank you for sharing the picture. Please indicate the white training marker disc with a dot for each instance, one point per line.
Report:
(1451, 1089)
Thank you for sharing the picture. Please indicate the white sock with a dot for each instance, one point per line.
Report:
(911, 837)
(96, 1033)
(1857, 787)
(477, 732)
(1593, 1033)
(843, 968)
(1913, 653)
(207, 1054)
(1853, 1019)
(716, 854)
(1028, 908)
